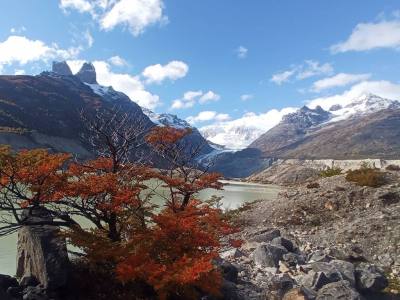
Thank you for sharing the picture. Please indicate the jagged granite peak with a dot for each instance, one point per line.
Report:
(61, 68)
(306, 117)
(87, 73)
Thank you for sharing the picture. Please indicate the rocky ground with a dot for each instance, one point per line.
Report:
(330, 240)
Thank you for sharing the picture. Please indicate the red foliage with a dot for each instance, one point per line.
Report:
(175, 255)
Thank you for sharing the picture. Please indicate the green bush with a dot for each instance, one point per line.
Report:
(329, 172)
(366, 176)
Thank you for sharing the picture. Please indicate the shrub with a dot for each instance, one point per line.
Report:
(313, 185)
(366, 177)
(393, 168)
(329, 172)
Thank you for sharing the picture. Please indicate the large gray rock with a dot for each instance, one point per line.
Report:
(268, 255)
(281, 241)
(370, 278)
(314, 280)
(340, 290)
(42, 252)
(266, 236)
(336, 270)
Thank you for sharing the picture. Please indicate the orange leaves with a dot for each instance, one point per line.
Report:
(34, 175)
(175, 255)
(161, 137)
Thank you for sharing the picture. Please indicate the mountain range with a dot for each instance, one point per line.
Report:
(44, 111)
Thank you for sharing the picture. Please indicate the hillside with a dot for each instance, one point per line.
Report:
(44, 110)
(366, 128)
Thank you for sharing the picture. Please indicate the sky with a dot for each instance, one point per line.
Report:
(217, 64)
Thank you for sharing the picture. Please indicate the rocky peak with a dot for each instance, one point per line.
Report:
(307, 117)
(87, 73)
(61, 68)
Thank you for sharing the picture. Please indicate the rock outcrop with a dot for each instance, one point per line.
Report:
(61, 68)
(42, 253)
(87, 73)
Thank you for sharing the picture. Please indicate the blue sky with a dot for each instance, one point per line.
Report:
(236, 57)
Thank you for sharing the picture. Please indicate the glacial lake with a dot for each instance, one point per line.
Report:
(234, 194)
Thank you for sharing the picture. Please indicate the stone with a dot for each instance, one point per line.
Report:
(300, 293)
(7, 281)
(281, 241)
(336, 270)
(340, 290)
(319, 256)
(370, 278)
(231, 253)
(279, 285)
(229, 271)
(314, 280)
(28, 281)
(265, 236)
(14, 291)
(268, 255)
(42, 252)
(34, 293)
(229, 291)
(293, 259)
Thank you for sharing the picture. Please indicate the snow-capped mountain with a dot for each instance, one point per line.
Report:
(367, 126)
(166, 119)
(363, 105)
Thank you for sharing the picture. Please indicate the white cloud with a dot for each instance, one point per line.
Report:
(282, 77)
(383, 88)
(79, 5)
(118, 61)
(18, 30)
(158, 73)
(19, 72)
(314, 68)
(367, 36)
(239, 133)
(129, 84)
(209, 96)
(309, 68)
(341, 79)
(89, 38)
(21, 50)
(246, 97)
(207, 116)
(190, 98)
(242, 52)
(135, 15)
(75, 65)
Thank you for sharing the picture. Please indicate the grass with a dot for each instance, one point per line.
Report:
(366, 176)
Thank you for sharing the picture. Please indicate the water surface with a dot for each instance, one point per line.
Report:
(234, 195)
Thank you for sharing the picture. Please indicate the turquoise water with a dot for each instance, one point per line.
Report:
(234, 194)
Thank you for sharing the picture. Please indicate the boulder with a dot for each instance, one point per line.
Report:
(281, 241)
(268, 255)
(279, 285)
(266, 236)
(319, 256)
(35, 293)
(7, 281)
(314, 280)
(42, 252)
(370, 278)
(229, 271)
(293, 259)
(300, 293)
(336, 270)
(340, 290)
(231, 253)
